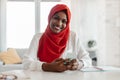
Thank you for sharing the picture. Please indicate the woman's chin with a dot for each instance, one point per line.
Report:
(56, 31)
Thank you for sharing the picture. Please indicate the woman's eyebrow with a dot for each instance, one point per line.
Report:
(59, 17)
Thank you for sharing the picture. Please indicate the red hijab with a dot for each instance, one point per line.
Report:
(52, 45)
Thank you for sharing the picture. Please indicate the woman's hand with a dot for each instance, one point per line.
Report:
(61, 65)
(55, 66)
(71, 64)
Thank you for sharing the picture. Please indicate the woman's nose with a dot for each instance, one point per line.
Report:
(59, 22)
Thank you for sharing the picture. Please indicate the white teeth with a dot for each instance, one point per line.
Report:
(56, 27)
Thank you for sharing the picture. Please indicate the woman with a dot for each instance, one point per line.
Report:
(57, 49)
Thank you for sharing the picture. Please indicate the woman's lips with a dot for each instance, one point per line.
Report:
(56, 28)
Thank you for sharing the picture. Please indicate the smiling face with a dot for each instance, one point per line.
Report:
(58, 22)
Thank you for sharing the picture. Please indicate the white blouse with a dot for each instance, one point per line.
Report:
(73, 50)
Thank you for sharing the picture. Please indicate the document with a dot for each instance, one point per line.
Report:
(100, 68)
(91, 69)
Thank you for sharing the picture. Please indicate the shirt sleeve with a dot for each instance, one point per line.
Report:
(74, 49)
(30, 61)
(83, 55)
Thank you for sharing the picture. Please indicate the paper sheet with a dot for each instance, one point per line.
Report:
(91, 69)
(100, 68)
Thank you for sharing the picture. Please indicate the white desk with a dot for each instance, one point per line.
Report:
(70, 75)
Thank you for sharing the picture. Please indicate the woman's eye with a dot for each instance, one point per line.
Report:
(57, 18)
(64, 21)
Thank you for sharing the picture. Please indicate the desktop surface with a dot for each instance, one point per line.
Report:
(76, 75)
(67, 75)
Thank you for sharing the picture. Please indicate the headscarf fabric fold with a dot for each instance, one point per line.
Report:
(52, 45)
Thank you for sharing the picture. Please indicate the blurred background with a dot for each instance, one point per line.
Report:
(97, 22)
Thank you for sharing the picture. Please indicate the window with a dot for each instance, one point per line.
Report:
(20, 23)
(22, 17)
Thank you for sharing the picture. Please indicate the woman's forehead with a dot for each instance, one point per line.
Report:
(61, 14)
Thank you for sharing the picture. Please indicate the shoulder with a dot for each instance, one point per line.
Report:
(38, 35)
(73, 34)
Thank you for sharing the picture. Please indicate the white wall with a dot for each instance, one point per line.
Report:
(101, 53)
(2, 25)
(99, 20)
(84, 19)
(113, 32)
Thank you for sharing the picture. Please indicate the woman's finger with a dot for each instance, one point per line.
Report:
(74, 67)
(73, 60)
(58, 59)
